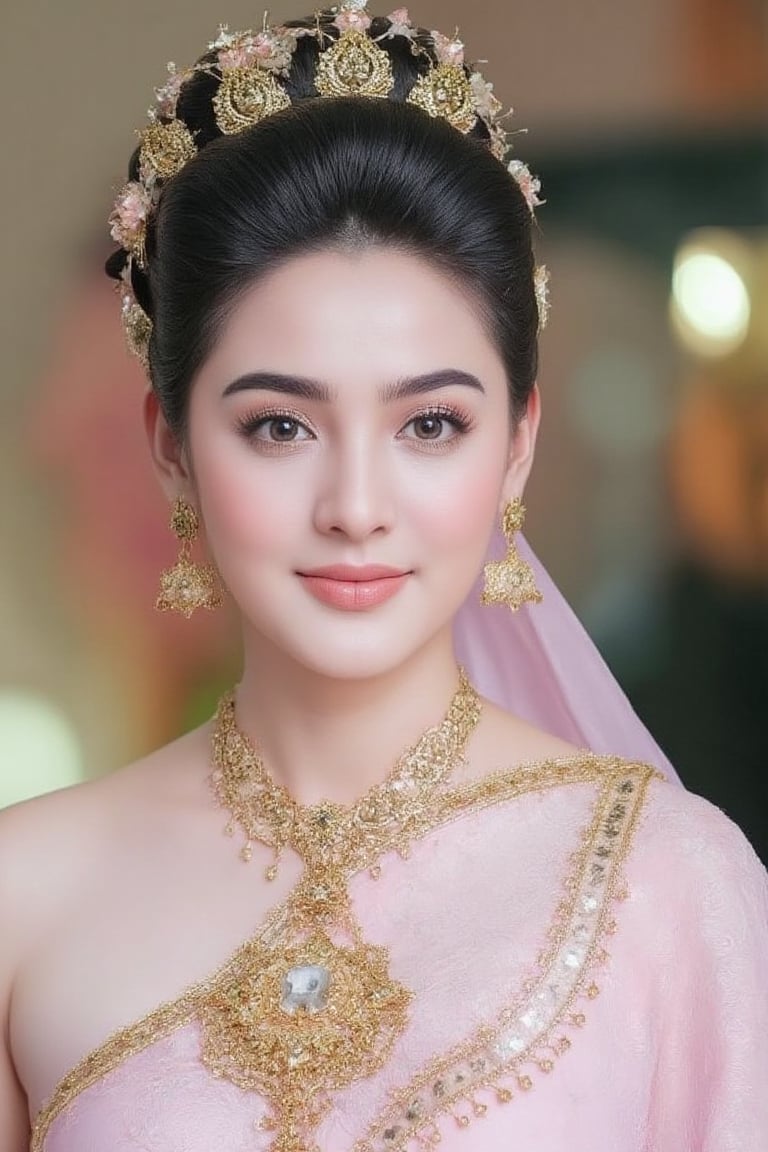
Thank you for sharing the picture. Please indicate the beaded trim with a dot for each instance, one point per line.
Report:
(526, 1031)
(530, 1032)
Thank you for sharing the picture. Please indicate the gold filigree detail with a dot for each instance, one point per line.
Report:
(137, 1037)
(512, 584)
(165, 148)
(138, 329)
(541, 289)
(511, 581)
(188, 586)
(297, 1061)
(354, 66)
(245, 96)
(446, 92)
(247, 65)
(619, 782)
(294, 1047)
(330, 838)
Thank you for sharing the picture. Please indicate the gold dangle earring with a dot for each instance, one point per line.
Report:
(511, 581)
(187, 586)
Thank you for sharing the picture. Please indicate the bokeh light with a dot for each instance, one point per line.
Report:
(711, 305)
(41, 751)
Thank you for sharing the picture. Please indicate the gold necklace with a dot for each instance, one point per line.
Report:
(316, 1008)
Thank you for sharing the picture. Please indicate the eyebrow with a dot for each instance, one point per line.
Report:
(307, 389)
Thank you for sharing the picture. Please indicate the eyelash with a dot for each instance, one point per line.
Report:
(250, 423)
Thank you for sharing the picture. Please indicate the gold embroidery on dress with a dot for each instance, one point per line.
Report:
(525, 1033)
(316, 1009)
(531, 1031)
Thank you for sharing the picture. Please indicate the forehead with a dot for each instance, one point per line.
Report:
(375, 315)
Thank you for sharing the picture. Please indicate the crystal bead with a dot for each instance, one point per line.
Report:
(305, 988)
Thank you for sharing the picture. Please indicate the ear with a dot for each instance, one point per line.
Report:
(168, 454)
(522, 446)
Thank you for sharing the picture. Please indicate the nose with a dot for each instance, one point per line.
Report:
(354, 496)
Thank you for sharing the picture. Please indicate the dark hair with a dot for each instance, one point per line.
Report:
(330, 173)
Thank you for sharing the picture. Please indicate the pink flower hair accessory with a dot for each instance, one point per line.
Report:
(272, 48)
(400, 24)
(448, 49)
(167, 95)
(530, 185)
(128, 221)
(352, 17)
(486, 105)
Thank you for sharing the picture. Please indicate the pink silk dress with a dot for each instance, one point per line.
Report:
(586, 946)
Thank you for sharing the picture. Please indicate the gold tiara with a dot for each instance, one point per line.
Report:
(250, 68)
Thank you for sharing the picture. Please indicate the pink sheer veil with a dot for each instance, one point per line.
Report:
(540, 664)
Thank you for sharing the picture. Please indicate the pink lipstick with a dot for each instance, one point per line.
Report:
(354, 589)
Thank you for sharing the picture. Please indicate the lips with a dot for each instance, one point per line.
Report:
(356, 573)
(354, 588)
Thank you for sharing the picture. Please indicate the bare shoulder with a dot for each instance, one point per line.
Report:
(49, 845)
(33, 835)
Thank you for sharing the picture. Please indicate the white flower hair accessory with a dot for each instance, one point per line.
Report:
(530, 186)
(400, 24)
(250, 68)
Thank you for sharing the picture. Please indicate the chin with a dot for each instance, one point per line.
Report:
(373, 652)
(341, 646)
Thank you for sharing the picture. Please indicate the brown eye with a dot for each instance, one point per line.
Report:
(283, 429)
(436, 426)
(428, 427)
(275, 428)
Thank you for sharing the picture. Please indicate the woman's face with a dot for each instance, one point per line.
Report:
(353, 415)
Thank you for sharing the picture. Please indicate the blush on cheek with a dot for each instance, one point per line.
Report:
(245, 521)
(461, 511)
(258, 519)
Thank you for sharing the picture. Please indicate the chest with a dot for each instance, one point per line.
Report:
(145, 925)
(493, 928)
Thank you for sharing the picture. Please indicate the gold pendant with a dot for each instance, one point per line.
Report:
(303, 1020)
(306, 1015)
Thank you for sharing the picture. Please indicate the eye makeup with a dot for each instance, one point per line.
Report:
(284, 428)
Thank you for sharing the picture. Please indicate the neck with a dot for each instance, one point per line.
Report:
(324, 738)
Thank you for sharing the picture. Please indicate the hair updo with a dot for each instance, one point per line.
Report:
(331, 173)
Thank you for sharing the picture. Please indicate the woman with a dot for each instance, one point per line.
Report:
(327, 267)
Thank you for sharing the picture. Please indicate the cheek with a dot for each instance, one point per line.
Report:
(244, 510)
(460, 507)
(461, 515)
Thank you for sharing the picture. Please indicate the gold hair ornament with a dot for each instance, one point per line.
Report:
(354, 66)
(165, 149)
(250, 68)
(541, 288)
(138, 328)
(446, 92)
(245, 96)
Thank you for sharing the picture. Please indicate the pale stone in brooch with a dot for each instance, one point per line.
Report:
(305, 989)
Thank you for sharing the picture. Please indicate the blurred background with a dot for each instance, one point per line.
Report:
(649, 502)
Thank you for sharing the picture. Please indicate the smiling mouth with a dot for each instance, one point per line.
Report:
(354, 589)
